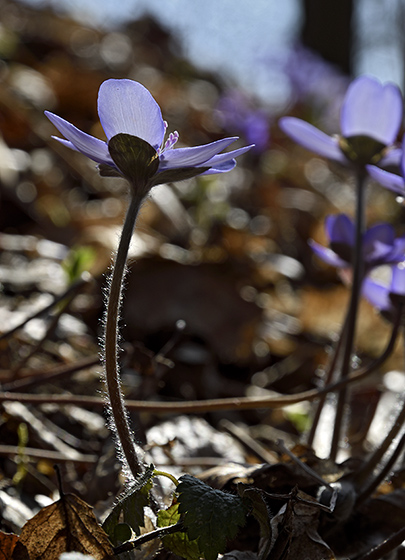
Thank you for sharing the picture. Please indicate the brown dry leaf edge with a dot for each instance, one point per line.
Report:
(65, 526)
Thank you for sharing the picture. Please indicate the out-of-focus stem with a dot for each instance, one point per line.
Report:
(331, 370)
(119, 421)
(358, 273)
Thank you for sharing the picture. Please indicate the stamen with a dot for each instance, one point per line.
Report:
(170, 142)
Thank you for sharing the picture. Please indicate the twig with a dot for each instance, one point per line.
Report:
(50, 375)
(388, 545)
(73, 288)
(156, 534)
(7, 450)
(233, 403)
(368, 490)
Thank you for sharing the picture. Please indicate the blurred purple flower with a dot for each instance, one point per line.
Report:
(235, 113)
(312, 78)
(379, 244)
(385, 297)
(370, 119)
(126, 107)
(389, 180)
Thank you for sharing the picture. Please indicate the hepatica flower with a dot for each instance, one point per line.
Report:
(386, 297)
(370, 119)
(379, 244)
(237, 113)
(136, 147)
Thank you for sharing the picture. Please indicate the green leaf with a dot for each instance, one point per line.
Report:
(179, 543)
(210, 516)
(78, 260)
(122, 533)
(131, 503)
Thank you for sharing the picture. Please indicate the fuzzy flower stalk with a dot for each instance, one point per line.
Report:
(137, 151)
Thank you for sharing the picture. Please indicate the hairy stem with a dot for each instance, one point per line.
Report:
(358, 273)
(119, 421)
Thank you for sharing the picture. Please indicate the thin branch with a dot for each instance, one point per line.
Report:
(156, 534)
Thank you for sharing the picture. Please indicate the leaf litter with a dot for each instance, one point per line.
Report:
(259, 317)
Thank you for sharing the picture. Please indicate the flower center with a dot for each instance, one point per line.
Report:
(361, 149)
(170, 142)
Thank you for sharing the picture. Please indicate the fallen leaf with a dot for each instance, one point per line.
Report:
(7, 544)
(67, 525)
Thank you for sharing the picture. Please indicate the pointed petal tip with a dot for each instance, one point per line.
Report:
(391, 181)
(312, 138)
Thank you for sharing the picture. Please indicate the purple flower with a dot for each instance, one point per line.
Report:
(370, 119)
(311, 77)
(135, 131)
(379, 244)
(235, 112)
(389, 180)
(385, 297)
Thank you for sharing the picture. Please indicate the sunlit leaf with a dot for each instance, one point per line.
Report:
(68, 525)
(210, 516)
(179, 543)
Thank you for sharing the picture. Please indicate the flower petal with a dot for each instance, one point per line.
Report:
(340, 229)
(391, 157)
(90, 146)
(398, 280)
(372, 109)
(193, 157)
(397, 253)
(223, 158)
(377, 294)
(327, 255)
(312, 138)
(382, 234)
(125, 106)
(389, 180)
(221, 168)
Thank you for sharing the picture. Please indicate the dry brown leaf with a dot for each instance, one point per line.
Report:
(65, 526)
(7, 544)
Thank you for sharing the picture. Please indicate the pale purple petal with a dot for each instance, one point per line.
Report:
(377, 294)
(340, 229)
(92, 147)
(192, 157)
(125, 106)
(380, 233)
(380, 253)
(398, 280)
(327, 255)
(389, 180)
(223, 158)
(371, 109)
(392, 157)
(312, 138)
(221, 168)
(397, 252)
